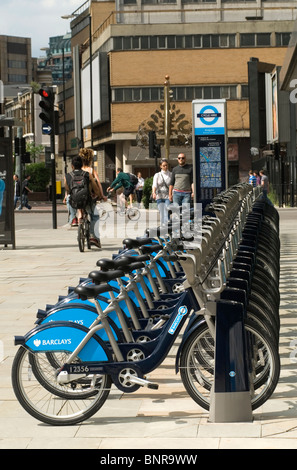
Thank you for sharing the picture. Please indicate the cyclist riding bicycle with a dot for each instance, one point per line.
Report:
(82, 188)
(123, 180)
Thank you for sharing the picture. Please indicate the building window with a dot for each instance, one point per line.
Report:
(17, 64)
(16, 48)
(189, 41)
(247, 40)
(244, 91)
(263, 39)
(282, 39)
(13, 77)
(188, 93)
(253, 40)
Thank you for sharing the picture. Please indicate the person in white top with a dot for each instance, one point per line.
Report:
(139, 188)
(160, 190)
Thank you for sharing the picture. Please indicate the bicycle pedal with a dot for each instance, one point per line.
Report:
(153, 386)
(144, 383)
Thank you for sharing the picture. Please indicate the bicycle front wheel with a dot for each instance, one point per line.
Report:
(197, 365)
(47, 403)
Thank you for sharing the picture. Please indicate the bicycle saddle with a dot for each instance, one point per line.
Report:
(91, 291)
(131, 267)
(104, 276)
(151, 248)
(136, 258)
(136, 243)
(105, 263)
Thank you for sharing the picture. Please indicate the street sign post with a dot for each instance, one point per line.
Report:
(209, 148)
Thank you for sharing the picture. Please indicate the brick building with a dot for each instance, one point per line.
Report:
(204, 47)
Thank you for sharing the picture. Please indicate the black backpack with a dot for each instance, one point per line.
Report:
(79, 189)
(133, 179)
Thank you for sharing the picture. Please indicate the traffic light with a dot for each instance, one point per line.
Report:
(47, 105)
(154, 148)
(20, 145)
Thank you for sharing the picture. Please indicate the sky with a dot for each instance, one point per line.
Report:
(36, 19)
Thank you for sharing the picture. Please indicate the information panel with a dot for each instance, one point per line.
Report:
(7, 228)
(209, 149)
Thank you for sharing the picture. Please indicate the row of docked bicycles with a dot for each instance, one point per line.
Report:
(118, 324)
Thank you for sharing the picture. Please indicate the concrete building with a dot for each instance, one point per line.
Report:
(15, 60)
(204, 47)
(58, 59)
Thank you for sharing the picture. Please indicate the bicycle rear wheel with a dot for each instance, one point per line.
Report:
(48, 404)
(81, 237)
(133, 213)
(87, 233)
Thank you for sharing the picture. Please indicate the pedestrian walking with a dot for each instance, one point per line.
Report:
(181, 187)
(252, 179)
(160, 190)
(139, 188)
(25, 191)
(258, 178)
(265, 186)
(17, 190)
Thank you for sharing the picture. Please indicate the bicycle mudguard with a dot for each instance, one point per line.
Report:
(81, 316)
(89, 313)
(189, 330)
(64, 337)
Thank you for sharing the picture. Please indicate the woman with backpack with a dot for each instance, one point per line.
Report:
(160, 190)
(82, 189)
(87, 156)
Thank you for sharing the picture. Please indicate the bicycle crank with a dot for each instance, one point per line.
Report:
(129, 381)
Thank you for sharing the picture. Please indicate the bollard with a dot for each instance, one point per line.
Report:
(230, 397)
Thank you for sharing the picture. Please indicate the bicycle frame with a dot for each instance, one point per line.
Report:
(55, 336)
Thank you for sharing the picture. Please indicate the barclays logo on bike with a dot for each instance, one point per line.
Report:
(182, 311)
(51, 342)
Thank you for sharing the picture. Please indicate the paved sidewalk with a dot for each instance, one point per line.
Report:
(41, 268)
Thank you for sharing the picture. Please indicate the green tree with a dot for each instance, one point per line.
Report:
(40, 176)
(35, 150)
(147, 191)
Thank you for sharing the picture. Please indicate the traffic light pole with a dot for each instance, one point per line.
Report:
(53, 168)
(47, 115)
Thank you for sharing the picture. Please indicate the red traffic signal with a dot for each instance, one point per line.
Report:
(47, 105)
(43, 93)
